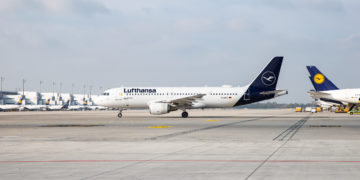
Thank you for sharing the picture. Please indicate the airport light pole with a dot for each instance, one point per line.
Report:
(59, 94)
(90, 93)
(72, 88)
(40, 87)
(23, 89)
(53, 96)
(53, 88)
(2, 98)
(84, 91)
(41, 102)
(60, 89)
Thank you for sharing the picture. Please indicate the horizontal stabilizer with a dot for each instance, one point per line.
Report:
(274, 92)
(318, 95)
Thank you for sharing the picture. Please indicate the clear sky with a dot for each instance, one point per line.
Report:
(110, 43)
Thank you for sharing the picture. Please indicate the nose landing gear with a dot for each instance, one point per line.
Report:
(119, 115)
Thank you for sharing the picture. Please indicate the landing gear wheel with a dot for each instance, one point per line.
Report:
(184, 114)
(119, 115)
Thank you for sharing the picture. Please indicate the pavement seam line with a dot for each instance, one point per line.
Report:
(277, 149)
(135, 163)
(292, 129)
(166, 136)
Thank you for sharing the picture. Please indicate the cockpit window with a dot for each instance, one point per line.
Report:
(105, 94)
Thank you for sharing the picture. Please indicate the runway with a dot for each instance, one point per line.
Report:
(210, 144)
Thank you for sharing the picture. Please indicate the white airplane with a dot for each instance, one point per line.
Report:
(9, 107)
(325, 104)
(326, 91)
(94, 108)
(162, 100)
(83, 107)
(31, 107)
(75, 108)
(56, 107)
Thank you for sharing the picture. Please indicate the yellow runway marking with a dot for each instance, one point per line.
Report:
(159, 126)
(212, 120)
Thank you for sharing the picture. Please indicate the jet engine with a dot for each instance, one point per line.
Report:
(160, 108)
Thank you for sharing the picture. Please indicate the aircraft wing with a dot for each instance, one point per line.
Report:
(183, 102)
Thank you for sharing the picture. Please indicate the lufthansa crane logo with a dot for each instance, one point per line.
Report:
(319, 78)
(268, 78)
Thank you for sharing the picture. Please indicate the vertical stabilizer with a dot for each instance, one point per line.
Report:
(319, 80)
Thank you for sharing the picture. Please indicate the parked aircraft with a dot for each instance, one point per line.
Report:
(327, 91)
(162, 100)
(31, 107)
(57, 107)
(11, 107)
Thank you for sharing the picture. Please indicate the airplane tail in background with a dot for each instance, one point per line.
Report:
(66, 105)
(21, 101)
(319, 80)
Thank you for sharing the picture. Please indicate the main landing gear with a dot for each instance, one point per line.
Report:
(120, 113)
(184, 114)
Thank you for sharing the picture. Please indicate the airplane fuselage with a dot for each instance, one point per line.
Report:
(346, 96)
(214, 97)
(162, 100)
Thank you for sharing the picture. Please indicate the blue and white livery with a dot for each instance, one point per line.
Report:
(162, 100)
(328, 92)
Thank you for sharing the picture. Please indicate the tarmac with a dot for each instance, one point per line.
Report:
(210, 144)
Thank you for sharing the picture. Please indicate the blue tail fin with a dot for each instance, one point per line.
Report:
(319, 80)
(267, 79)
(263, 84)
(66, 105)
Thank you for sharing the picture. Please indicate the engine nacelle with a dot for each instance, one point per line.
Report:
(159, 108)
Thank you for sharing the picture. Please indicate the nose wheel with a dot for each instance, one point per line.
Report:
(119, 115)
(184, 114)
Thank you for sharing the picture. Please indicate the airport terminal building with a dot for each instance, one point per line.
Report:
(36, 98)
